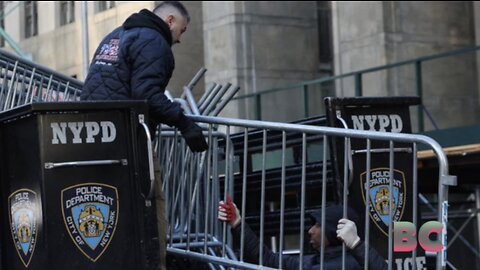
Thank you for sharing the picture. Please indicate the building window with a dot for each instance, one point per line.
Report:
(104, 5)
(67, 12)
(31, 18)
(2, 22)
(324, 12)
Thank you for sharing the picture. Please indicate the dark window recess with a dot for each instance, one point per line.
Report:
(104, 5)
(324, 15)
(31, 18)
(67, 12)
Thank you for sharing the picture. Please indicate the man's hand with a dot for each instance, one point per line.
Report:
(228, 212)
(194, 138)
(347, 232)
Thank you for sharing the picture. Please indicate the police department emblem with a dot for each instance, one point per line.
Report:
(90, 212)
(379, 195)
(23, 222)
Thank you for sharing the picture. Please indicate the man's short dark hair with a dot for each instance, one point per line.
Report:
(175, 4)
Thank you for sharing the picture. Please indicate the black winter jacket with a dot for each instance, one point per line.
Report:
(375, 260)
(135, 62)
(332, 255)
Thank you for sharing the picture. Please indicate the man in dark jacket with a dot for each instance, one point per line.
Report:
(229, 213)
(135, 62)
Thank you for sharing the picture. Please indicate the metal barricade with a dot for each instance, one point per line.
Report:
(194, 184)
(23, 82)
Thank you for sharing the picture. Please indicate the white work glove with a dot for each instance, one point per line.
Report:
(228, 212)
(347, 232)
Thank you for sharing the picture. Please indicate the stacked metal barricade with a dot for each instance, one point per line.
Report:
(24, 82)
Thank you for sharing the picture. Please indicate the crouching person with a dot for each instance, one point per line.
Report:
(228, 212)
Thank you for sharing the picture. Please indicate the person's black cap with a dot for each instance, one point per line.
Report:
(333, 214)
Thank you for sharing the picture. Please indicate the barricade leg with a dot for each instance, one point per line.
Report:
(161, 218)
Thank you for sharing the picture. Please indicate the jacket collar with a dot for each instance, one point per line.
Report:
(146, 18)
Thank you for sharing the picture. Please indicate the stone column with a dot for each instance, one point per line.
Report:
(189, 53)
(261, 45)
(379, 33)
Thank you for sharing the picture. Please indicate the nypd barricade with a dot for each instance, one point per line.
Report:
(386, 115)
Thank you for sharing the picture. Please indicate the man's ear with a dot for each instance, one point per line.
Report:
(170, 20)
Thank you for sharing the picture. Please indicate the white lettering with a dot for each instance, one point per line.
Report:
(386, 123)
(76, 135)
(76, 128)
(407, 263)
(92, 129)
(371, 119)
(397, 124)
(420, 263)
(357, 122)
(108, 131)
(59, 133)
(399, 263)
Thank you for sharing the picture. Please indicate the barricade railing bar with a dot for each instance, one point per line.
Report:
(195, 183)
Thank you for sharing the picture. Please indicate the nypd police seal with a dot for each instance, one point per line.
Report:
(23, 217)
(90, 213)
(379, 196)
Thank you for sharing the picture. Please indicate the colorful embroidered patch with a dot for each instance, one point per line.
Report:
(90, 212)
(109, 51)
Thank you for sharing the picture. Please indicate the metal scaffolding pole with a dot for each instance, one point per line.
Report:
(85, 40)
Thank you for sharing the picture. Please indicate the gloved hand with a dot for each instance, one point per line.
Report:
(228, 212)
(347, 232)
(193, 136)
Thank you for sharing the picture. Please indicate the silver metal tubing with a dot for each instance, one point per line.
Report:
(217, 260)
(383, 150)
(205, 95)
(49, 90)
(282, 201)
(207, 183)
(52, 165)
(346, 174)
(244, 191)
(141, 120)
(324, 199)
(302, 204)
(191, 101)
(391, 210)
(10, 87)
(224, 101)
(216, 99)
(225, 186)
(262, 197)
(208, 99)
(367, 204)
(196, 78)
(414, 199)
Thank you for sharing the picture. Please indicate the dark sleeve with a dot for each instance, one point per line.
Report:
(152, 64)
(252, 250)
(375, 260)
